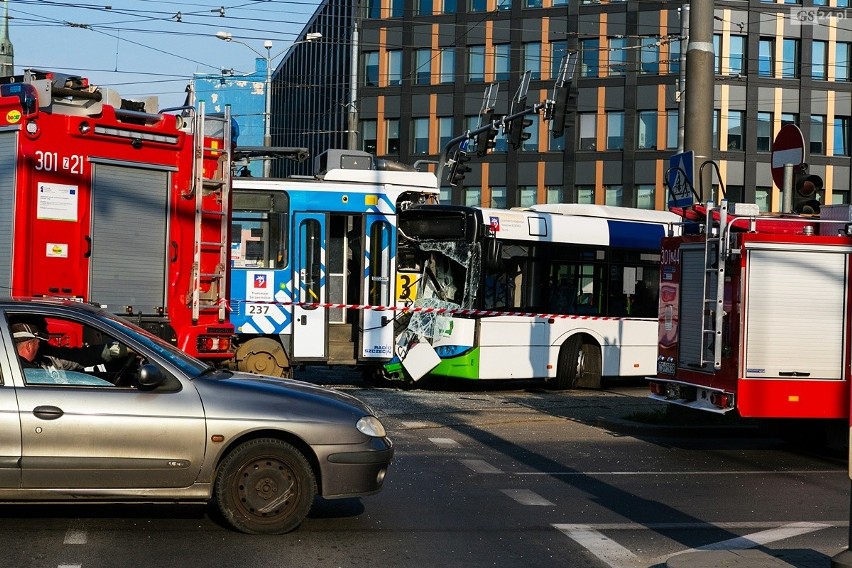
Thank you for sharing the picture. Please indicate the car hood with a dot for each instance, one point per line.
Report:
(227, 395)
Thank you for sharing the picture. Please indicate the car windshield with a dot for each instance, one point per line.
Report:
(191, 366)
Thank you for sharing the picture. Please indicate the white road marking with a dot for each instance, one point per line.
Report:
(480, 466)
(75, 536)
(444, 442)
(616, 556)
(413, 424)
(601, 546)
(70, 566)
(527, 497)
(701, 473)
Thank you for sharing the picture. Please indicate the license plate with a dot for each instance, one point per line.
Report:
(666, 367)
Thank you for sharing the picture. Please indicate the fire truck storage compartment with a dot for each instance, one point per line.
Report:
(691, 306)
(8, 164)
(795, 311)
(129, 235)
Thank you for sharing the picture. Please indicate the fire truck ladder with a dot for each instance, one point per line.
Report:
(215, 128)
(715, 253)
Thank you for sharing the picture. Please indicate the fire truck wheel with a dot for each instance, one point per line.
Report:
(579, 364)
(263, 356)
(265, 486)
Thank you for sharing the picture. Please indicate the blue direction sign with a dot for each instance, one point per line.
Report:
(680, 179)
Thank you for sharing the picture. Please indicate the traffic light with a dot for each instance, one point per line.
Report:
(560, 110)
(518, 133)
(459, 168)
(805, 188)
(485, 139)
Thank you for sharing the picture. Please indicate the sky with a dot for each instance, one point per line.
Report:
(150, 47)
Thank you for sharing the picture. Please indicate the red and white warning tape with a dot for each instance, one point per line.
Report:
(428, 310)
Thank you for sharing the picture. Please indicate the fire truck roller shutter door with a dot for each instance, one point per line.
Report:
(8, 159)
(129, 223)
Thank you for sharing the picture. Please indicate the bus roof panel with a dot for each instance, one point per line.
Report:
(608, 212)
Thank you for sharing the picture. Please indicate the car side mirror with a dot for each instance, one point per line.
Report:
(150, 376)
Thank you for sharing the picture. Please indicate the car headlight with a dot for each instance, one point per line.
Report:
(370, 426)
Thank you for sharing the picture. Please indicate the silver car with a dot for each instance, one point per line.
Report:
(107, 412)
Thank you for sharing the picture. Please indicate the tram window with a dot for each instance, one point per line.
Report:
(259, 230)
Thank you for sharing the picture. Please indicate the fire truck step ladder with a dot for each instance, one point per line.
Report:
(214, 130)
(715, 253)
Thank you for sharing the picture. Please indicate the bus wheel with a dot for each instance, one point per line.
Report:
(579, 364)
(263, 356)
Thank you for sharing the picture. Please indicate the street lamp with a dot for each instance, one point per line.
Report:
(267, 114)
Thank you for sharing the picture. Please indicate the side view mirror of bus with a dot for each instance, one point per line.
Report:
(492, 253)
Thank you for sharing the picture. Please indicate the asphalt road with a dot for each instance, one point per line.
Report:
(509, 475)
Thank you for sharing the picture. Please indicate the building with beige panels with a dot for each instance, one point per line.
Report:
(424, 65)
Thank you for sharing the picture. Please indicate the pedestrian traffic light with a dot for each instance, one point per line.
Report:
(459, 168)
(485, 139)
(518, 133)
(805, 188)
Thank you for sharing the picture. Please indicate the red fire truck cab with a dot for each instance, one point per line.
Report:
(754, 313)
(112, 202)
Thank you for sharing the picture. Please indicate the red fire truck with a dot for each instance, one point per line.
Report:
(755, 313)
(112, 202)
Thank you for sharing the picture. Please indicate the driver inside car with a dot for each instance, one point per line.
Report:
(36, 353)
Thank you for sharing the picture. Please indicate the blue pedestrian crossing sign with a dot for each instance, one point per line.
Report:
(680, 179)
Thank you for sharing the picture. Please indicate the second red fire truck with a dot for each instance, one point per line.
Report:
(110, 201)
(755, 313)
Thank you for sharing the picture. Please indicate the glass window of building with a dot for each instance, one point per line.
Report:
(717, 54)
(476, 63)
(617, 54)
(589, 57)
(735, 193)
(842, 51)
(498, 197)
(555, 194)
(586, 194)
(817, 137)
(373, 9)
(559, 2)
(448, 65)
(371, 68)
(615, 130)
(558, 52)
(369, 140)
(445, 131)
(839, 197)
(423, 66)
(392, 142)
(736, 130)
(449, 7)
(395, 67)
(397, 8)
(645, 196)
(556, 144)
(588, 130)
(649, 56)
(532, 59)
(842, 3)
(420, 140)
(647, 132)
(672, 121)
(819, 60)
(715, 129)
(766, 57)
(820, 2)
(764, 131)
(504, 4)
(473, 197)
(789, 118)
(446, 194)
(424, 7)
(736, 55)
(477, 5)
(674, 56)
(763, 198)
(501, 61)
(527, 195)
(790, 58)
(841, 136)
(533, 3)
(614, 195)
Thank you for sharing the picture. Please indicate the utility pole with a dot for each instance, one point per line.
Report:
(681, 80)
(698, 127)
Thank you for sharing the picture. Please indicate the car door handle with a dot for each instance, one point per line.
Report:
(47, 412)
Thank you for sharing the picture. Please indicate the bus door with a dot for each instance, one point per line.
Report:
(379, 277)
(309, 278)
